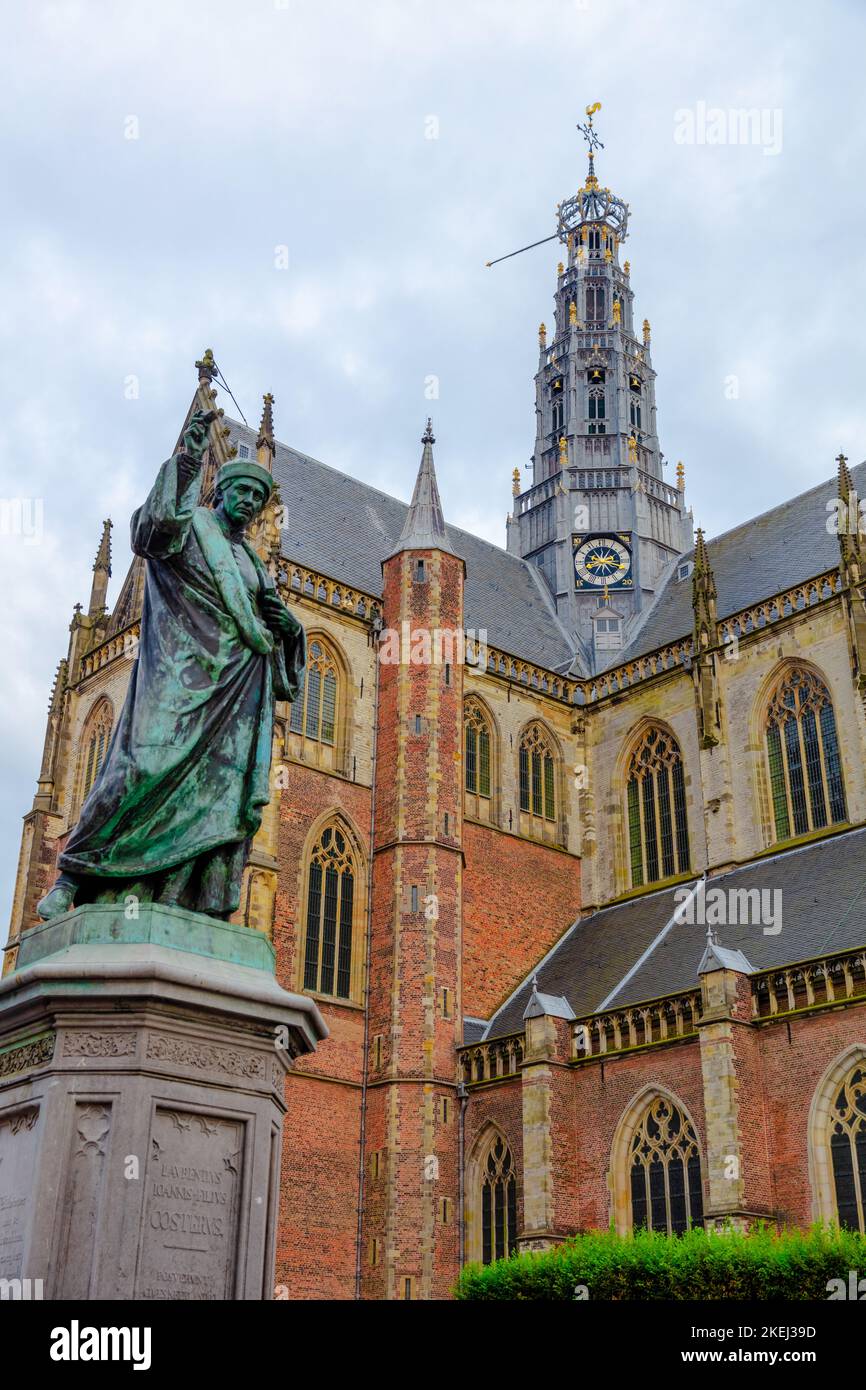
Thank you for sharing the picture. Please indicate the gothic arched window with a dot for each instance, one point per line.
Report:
(314, 711)
(595, 304)
(665, 1171)
(331, 906)
(94, 746)
(537, 774)
(596, 403)
(658, 834)
(848, 1149)
(498, 1203)
(805, 771)
(478, 741)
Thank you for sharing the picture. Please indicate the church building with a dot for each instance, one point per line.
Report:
(567, 839)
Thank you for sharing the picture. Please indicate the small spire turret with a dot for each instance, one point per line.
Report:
(101, 573)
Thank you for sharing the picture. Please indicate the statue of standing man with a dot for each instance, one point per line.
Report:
(180, 794)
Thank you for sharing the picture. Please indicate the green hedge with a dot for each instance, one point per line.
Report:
(764, 1264)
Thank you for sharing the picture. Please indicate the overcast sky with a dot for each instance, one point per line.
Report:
(156, 155)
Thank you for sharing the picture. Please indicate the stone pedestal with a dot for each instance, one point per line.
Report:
(141, 1104)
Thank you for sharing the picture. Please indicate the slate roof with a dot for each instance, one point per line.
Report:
(823, 910)
(345, 528)
(771, 552)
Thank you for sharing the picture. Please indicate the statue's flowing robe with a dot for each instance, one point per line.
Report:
(186, 774)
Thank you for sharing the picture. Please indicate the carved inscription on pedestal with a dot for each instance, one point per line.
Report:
(188, 1245)
(17, 1156)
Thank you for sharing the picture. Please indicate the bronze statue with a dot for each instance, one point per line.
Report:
(180, 794)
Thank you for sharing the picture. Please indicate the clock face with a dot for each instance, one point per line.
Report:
(600, 561)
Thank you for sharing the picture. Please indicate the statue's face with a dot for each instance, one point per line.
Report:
(242, 500)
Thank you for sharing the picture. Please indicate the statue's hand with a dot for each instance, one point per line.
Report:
(196, 432)
(278, 617)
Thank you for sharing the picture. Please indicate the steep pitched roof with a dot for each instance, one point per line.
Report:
(774, 551)
(823, 909)
(345, 528)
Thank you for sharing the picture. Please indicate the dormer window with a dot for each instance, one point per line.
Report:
(243, 451)
(684, 569)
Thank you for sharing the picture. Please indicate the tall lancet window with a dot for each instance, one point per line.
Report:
(537, 775)
(477, 755)
(805, 770)
(331, 911)
(314, 712)
(498, 1203)
(595, 300)
(94, 746)
(656, 795)
(848, 1149)
(665, 1174)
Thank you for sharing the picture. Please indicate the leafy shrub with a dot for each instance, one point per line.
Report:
(763, 1264)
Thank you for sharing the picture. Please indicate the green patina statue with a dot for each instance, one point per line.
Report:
(180, 794)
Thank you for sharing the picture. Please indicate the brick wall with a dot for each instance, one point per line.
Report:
(518, 899)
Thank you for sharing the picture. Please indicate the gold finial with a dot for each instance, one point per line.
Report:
(632, 449)
(608, 254)
(617, 312)
(627, 268)
(560, 269)
(515, 482)
(572, 314)
(206, 367)
(681, 475)
(563, 451)
(542, 335)
(646, 331)
(591, 110)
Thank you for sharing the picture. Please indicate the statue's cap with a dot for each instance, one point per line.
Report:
(245, 468)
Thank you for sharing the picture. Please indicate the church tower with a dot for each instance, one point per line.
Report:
(600, 520)
(410, 1228)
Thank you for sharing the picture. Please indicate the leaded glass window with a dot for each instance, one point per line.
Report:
(665, 1171)
(848, 1150)
(477, 750)
(498, 1203)
(658, 836)
(537, 775)
(94, 746)
(330, 909)
(806, 786)
(314, 711)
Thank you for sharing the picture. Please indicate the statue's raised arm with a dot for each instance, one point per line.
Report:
(160, 527)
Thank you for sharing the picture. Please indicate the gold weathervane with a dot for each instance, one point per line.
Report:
(594, 144)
